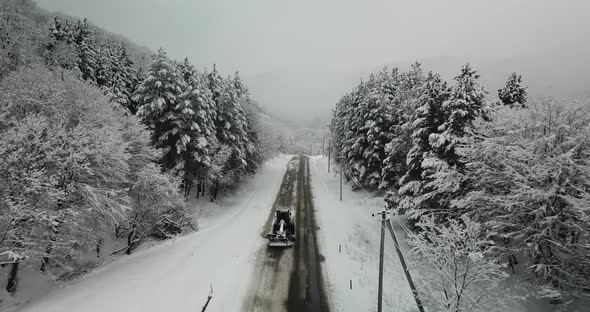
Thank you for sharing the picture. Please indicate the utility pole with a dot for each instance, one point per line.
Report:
(323, 150)
(341, 183)
(381, 251)
(404, 266)
(329, 153)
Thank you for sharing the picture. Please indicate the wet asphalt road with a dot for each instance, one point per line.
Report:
(290, 279)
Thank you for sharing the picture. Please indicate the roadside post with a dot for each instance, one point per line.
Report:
(340, 170)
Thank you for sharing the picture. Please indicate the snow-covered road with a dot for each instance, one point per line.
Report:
(226, 253)
(176, 275)
(349, 241)
(290, 279)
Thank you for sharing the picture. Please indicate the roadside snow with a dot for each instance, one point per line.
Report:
(349, 225)
(177, 275)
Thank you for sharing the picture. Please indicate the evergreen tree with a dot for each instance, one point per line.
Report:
(136, 82)
(378, 117)
(354, 143)
(86, 47)
(124, 77)
(230, 121)
(338, 127)
(514, 92)
(61, 32)
(443, 174)
(253, 155)
(105, 67)
(402, 112)
(198, 125)
(466, 103)
(428, 118)
(162, 107)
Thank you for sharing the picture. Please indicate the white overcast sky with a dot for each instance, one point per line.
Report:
(320, 40)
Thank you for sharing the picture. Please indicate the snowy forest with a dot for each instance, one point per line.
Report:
(98, 143)
(506, 171)
(147, 180)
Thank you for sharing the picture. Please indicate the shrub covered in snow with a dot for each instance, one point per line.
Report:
(68, 161)
(457, 267)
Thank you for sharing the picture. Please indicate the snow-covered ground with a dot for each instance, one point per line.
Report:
(177, 275)
(349, 240)
(349, 224)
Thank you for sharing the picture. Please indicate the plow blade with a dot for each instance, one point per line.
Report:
(275, 241)
(280, 243)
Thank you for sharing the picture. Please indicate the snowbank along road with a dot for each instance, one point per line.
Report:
(289, 279)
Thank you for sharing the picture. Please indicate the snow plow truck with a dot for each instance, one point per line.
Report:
(282, 231)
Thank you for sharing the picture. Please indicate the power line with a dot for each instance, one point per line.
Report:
(448, 276)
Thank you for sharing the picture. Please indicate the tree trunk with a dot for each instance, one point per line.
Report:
(130, 239)
(511, 264)
(98, 245)
(50, 247)
(12, 285)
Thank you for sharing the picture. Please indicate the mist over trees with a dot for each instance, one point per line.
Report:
(96, 147)
(517, 169)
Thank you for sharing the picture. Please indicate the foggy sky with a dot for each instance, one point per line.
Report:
(299, 57)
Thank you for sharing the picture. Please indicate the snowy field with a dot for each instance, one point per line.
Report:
(177, 275)
(348, 226)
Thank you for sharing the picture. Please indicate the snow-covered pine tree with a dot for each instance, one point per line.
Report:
(466, 103)
(87, 52)
(137, 79)
(198, 125)
(253, 155)
(105, 66)
(61, 31)
(231, 127)
(124, 76)
(514, 93)
(162, 108)
(59, 50)
(338, 128)
(443, 173)
(378, 121)
(230, 121)
(235, 116)
(428, 118)
(354, 143)
(402, 113)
